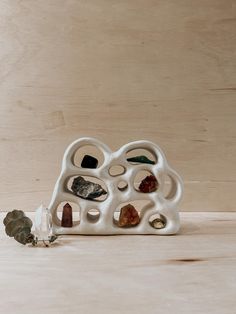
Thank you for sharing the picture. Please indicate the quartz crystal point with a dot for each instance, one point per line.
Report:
(67, 220)
(128, 216)
(87, 189)
(148, 184)
(43, 224)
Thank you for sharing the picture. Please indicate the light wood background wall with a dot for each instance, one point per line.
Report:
(119, 70)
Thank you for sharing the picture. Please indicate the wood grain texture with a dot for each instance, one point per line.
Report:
(120, 71)
(193, 272)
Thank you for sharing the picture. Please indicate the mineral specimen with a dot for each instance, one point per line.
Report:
(67, 221)
(19, 226)
(128, 216)
(158, 223)
(89, 162)
(87, 189)
(141, 159)
(148, 184)
(43, 226)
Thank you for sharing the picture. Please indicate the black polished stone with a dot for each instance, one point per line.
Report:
(89, 162)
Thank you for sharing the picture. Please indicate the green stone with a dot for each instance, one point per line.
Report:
(141, 159)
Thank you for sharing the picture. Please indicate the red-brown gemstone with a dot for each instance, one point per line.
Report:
(128, 216)
(148, 184)
(67, 221)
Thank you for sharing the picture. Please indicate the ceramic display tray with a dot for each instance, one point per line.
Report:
(165, 207)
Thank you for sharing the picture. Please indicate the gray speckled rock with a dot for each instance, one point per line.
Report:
(141, 159)
(87, 189)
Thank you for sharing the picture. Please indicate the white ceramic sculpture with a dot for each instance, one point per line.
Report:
(166, 207)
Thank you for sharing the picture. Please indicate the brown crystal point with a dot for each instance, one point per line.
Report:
(128, 216)
(148, 184)
(67, 221)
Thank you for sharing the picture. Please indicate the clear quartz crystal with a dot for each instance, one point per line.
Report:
(43, 225)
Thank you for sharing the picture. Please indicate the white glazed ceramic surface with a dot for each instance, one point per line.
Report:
(166, 207)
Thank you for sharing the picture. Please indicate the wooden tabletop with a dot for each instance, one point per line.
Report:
(193, 272)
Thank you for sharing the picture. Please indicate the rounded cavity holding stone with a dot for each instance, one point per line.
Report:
(145, 182)
(128, 214)
(88, 156)
(68, 214)
(88, 187)
(157, 221)
(141, 156)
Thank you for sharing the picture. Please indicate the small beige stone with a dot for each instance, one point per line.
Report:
(158, 223)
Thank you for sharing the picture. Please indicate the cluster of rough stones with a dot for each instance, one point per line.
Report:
(18, 226)
(129, 216)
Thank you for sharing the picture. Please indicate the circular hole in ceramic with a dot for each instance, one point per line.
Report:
(145, 182)
(139, 156)
(87, 187)
(116, 170)
(157, 221)
(170, 187)
(93, 215)
(88, 156)
(68, 214)
(129, 214)
(122, 185)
